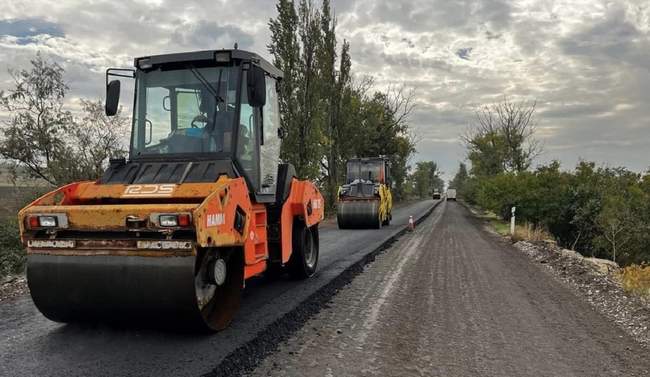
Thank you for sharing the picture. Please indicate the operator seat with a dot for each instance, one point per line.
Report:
(216, 136)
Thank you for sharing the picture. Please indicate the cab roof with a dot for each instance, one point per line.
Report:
(209, 56)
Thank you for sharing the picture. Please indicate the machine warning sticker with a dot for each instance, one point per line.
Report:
(148, 191)
(216, 219)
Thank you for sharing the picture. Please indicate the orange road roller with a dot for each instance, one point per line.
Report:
(202, 203)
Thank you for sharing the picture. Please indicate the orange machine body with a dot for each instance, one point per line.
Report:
(97, 214)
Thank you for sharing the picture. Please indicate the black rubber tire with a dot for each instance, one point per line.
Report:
(221, 310)
(302, 263)
(387, 221)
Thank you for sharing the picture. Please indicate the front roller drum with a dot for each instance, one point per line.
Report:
(359, 214)
(197, 292)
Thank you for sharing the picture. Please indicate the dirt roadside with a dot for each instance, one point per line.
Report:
(13, 286)
(592, 279)
(453, 300)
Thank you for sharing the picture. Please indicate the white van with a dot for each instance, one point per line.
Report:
(451, 194)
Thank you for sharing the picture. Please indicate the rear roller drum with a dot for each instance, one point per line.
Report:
(358, 214)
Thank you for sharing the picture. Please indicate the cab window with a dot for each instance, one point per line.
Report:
(247, 137)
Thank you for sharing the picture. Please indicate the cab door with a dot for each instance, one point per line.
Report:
(270, 140)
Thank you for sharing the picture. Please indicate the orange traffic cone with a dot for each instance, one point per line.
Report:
(411, 224)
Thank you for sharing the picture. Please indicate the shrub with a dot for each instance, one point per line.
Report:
(12, 254)
(636, 279)
(601, 212)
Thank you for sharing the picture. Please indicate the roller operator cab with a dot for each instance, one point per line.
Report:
(365, 200)
(201, 204)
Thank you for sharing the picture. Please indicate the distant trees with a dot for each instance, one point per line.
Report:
(46, 140)
(426, 179)
(501, 139)
(329, 116)
(461, 177)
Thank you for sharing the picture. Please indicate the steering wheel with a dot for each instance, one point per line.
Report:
(199, 118)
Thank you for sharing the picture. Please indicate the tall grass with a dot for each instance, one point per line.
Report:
(636, 279)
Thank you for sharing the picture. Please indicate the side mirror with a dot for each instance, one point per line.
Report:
(112, 97)
(256, 83)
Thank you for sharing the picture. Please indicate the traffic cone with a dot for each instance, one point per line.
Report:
(411, 224)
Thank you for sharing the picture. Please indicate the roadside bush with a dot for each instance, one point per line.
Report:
(12, 254)
(469, 190)
(600, 212)
(636, 279)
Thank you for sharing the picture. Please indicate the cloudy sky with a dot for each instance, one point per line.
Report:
(585, 62)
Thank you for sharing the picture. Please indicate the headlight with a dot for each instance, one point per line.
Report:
(50, 220)
(168, 220)
(174, 220)
(47, 221)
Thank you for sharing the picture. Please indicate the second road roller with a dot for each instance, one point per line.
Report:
(365, 200)
(172, 233)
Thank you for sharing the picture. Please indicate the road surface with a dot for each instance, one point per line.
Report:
(453, 300)
(31, 345)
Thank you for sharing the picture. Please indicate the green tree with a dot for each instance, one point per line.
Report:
(383, 129)
(329, 91)
(285, 49)
(309, 150)
(501, 139)
(617, 223)
(461, 177)
(426, 179)
(98, 138)
(35, 135)
(329, 116)
(45, 140)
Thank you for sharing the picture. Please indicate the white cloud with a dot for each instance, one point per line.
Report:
(585, 62)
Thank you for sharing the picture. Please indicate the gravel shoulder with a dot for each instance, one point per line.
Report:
(451, 299)
(595, 282)
(12, 287)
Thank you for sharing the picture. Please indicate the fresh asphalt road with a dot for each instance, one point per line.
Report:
(451, 299)
(31, 345)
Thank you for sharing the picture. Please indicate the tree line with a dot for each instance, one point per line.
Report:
(599, 211)
(329, 115)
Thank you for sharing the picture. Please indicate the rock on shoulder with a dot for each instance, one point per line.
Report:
(603, 266)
